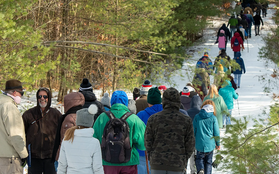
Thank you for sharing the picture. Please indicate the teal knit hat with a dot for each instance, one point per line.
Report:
(154, 96)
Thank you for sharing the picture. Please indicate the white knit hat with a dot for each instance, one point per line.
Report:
(145, 87)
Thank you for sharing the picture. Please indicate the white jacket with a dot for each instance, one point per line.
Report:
(82, 156)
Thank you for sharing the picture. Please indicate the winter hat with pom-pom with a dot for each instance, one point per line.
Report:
(85, 85)
(85, 116)
(106, 100)
(185, 91)
(145, 87)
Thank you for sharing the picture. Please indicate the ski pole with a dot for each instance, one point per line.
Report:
(238, 107)
(247, 45)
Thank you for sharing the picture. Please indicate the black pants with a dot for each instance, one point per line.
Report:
(39, 166)
(257, 29)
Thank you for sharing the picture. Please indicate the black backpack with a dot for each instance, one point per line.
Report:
(116, 147)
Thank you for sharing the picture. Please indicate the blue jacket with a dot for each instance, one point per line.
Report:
(205, 63)
(195, 106)
(241, 64)
(228, 94)
(205, 128)
(145, 114)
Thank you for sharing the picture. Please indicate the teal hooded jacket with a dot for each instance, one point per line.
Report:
(228, 94)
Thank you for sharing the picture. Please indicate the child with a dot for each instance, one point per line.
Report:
(238, 72)
(222, 40)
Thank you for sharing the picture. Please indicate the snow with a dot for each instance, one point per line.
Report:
(252, 100)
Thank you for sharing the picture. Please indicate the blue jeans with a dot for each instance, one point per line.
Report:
(233, 30)
(249, 30)
(56, 165)
(227, 118)
(204, 161)
(142, 165)
(237, 78)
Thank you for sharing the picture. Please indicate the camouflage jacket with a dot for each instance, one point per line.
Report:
(169, 139)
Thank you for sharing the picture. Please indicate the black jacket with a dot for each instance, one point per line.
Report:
(258, 20)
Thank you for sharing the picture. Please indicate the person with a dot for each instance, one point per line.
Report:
(238, 72)
(250, 22)
(72, 103)
(264, 9)
(169, 137)
(221, 40)
(228, 94)
(80, 151)
(236, 43)
(141, 103)
(192, 90)
(258, 8)
(238, 8)
(223, 59)
(185, 98)
(132, 106)
(40, 124)
(201, 82)
(162, 88)
(229, 77)
(233, 23)
(206, 63)
(106, 101)
(220, 105)
(207, 136)
(119, 103)
(258, 20)
(154, 101)
(227, 33)
(13, 152)
(136, 93)
(243, 21)
(90, 98)
(242, 32)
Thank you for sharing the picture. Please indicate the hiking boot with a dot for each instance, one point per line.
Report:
(201, 171)
(238, 87)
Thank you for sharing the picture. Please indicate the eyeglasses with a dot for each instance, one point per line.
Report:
(21, 92)
(40, 96)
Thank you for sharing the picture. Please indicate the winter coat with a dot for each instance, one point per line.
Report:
(227, 32)
(241, 64)
(244, 21)
(12, 133)
(205, 128)
(145, 114)
(90, 98)
(233, 22)
(169, 137)
(195, 107)
(222, 39)
(141, 103)
(220, 106)
(40, 129)
(251, 19)
(185, 101)
(223, 59)
(137, 128)
(228, 94)
(236, 48)
(82, 156)
(206, 63)
(240, 34)
(201, 83)
(232, 82)
(258, 19)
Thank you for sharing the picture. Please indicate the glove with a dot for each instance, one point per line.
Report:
(237, 94)
(23, 162)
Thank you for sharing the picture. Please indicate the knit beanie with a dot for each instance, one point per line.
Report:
(154, 96)
(185, 91)
(145, 87)
(85, 85)
(162, 88)
(85, 116)
(132, 106)
(106, 100)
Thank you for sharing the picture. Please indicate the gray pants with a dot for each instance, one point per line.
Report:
(166, 172)
(10, 165)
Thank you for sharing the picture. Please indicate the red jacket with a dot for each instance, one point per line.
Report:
(236, 48)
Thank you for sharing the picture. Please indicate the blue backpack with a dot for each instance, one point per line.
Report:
(236, 43)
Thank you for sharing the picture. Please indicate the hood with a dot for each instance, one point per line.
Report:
(224, 25)
(89, 95)
(236, 34)
(49, 97)
(237, 54)
(73, 99)
(204, 115)
(119, 97)
(222, 31)
(196, 102)
(154, 109)
(171, 99)
(227, 83)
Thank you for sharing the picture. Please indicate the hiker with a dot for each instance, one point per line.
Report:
(201, 82)
(192, 90)
(40, 124)
(205, 63)
(227, 33)
(250, 22)
(162, 88)
(224, 60)
(169, 137)
(205, 128)
(154, 101)
(221, 40)
(141, 102)
(134, 136)
(258, 20)
(236, 43)
(132, 106)
(185, 98)
(238, 72)
(220, 105)
(233, 22)
(80, 152)
(106, 101)
(136, 93)
(264, 9)
(228, 94)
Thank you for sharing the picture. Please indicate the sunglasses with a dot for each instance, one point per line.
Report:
(40, 96)
(21, 92)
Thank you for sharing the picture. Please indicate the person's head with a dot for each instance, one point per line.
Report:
(171, 99)
(145, 87)
(84, 119)
(206, 53)
(185, 91)
(119, 97)
(43, 98)
(162, 88)
(106, 100)
(132, 106)
(213, 91)
(73, 99)
(209, 106)
(248, 11)
(154, 96)
(85, 85)
(223, 52)
(237, 54)
(14, 89)
(222, 31)
(136, 93)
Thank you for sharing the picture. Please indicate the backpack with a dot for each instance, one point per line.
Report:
(236, 43)
(116, 147)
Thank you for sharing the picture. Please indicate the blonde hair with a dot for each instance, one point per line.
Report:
(70, 133)
(212, 91)
(209, 102)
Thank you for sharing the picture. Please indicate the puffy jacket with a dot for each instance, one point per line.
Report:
(82, 156)
(145, 114)
(141, 103)
(195, 107)
(236, 48)
(240, 61)
(228, 94)
(119, 102)
(233, 22)
(12, 133)
(221, 108)
(205, 128)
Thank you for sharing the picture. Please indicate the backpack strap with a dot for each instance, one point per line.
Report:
(126, 115)
(110, 115)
